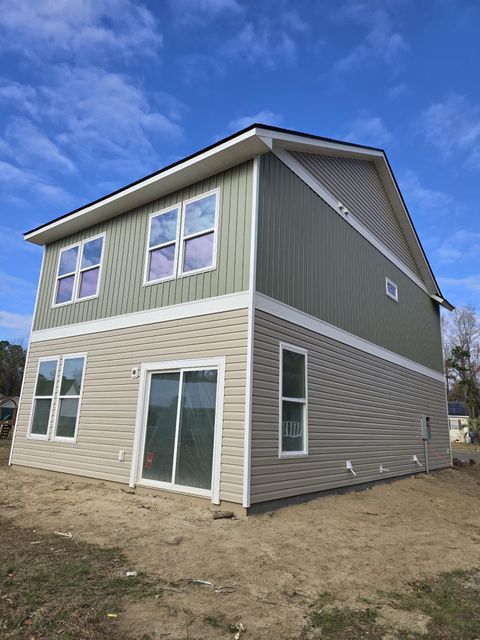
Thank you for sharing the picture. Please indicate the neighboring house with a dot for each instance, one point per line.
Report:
(458, 421)
(243, 325)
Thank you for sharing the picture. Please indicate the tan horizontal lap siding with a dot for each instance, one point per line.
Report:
(109, 403)
(356, 184)
(360, 408)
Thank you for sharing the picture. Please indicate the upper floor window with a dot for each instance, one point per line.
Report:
(293, 401)
(182, 239)
(79, 267)
(391, 289)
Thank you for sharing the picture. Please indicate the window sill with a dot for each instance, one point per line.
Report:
(293, 454)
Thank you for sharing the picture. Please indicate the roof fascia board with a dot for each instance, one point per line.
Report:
(213, 160)
(398, 204)
(328, 147)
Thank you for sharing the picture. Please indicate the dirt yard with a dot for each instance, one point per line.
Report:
(351, 547)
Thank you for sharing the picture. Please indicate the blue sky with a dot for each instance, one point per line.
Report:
(95, 94)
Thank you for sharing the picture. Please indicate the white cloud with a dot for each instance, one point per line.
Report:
(194, 12)
(461, 246)
(24, 182)
(18, 95)
(14, 287)
(105, 118)
(78, 28)
(93, 118)
(453, 126)
(28, 145)
(423, 199)
(15, 244)
(398, 90)
(468, 283)
(382, 41)
(263, 117)
(17, 324)
(368, 130)
(263, 43)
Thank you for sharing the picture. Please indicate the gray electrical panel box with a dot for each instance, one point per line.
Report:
(426, 428)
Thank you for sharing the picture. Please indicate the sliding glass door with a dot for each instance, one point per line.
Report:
(180, 428)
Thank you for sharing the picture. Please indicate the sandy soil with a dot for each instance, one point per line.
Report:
(277, 564)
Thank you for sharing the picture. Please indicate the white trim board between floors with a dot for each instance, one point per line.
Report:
(285, 312)
(229, 302)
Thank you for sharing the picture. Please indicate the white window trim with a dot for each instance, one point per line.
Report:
(78, 271)
(214, 229)
(54, 437)
(142, 408)
(160, 212)
(42, 436)
(391, 282)
(304, 452)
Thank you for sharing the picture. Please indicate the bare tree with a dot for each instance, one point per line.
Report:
(461, 344)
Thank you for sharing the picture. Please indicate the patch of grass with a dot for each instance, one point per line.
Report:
(344, 623)
(55, 587)
(451, 600)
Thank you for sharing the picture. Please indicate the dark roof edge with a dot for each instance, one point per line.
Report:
(194, 155)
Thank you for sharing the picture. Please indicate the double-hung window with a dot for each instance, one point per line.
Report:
(162, 245)
(42, 400)
(71, 382)
(78, 274)
(198, 233)
(182, 239)
(293, 401)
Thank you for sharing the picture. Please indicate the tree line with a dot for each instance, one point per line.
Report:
(12, 364)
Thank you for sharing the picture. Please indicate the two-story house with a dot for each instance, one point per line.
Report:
(255, 322)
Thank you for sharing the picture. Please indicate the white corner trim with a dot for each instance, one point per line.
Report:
(218, 304)
(250, 339)
(284, 311)
(304, 175)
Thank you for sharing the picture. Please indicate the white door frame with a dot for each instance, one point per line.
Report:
(147, 368)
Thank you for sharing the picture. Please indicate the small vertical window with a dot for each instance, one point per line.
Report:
(78, 275)
(391, 289)
(162, 245)
(71, 381)
(42, 401)
(67, 269)
(90, 268)
(293, 401)
(198, 235)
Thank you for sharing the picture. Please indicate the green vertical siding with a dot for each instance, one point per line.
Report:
(312, 260)
(122, 290)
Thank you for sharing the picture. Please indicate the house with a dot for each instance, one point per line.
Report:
(254, 323)
(458, 421)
